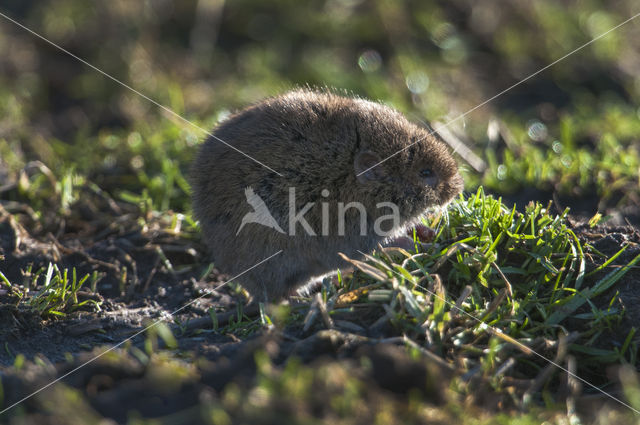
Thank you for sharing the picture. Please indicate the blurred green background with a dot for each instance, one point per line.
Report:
(572, 132)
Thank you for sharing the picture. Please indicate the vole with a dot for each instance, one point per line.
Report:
(342, 165)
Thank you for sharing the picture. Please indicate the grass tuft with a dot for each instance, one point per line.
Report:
(494, 285)
(59, 293)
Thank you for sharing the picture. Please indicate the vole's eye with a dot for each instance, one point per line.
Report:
(429, 177)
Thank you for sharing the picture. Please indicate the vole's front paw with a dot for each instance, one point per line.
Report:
(424, 233)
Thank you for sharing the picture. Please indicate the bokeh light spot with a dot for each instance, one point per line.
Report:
(537, 131)
(370, 61)
(417, 82)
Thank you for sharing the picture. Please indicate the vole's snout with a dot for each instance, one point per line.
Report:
(457, 183)
(450, 188)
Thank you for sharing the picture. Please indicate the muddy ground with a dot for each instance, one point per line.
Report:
(149, 266)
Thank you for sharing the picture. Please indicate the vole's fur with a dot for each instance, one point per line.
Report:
(316, 140)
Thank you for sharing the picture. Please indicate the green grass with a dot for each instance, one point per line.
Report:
(51, 292)
(147, 167)
(589, 153)
(523, 274)
(57, 295)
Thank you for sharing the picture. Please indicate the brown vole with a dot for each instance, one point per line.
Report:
(327, 199)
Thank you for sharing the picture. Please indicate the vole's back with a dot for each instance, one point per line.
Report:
(294, 136)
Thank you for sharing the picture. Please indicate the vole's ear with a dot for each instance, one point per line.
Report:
(366, 168)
